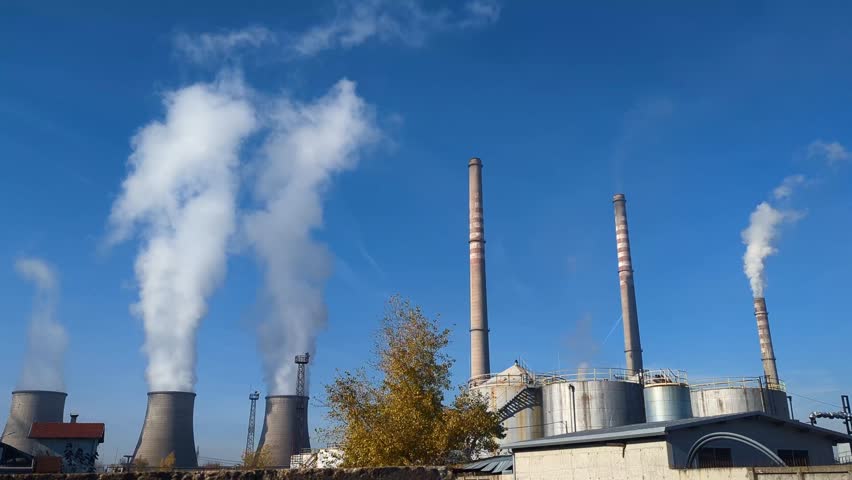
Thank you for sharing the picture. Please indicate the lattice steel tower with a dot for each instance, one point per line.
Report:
(254, 396)
(301, 361)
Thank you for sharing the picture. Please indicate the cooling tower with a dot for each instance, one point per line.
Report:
(30, 406)
(285, 428)
(632, 345)
(168, 428)
(767, 353)
(479, 356)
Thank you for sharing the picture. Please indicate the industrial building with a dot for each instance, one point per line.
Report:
(35, 434)
(648, 414)
(75, 443)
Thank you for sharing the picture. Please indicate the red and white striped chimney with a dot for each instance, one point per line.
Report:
(479, 356)
(630, 319)
(767, 353)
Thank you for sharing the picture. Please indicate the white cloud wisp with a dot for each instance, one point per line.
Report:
(210, 47)
(405, 21)
(47, 340)
(307, 145)
(831, 152)
(180, 196)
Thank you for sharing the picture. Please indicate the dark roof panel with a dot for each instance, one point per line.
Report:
(659, 429)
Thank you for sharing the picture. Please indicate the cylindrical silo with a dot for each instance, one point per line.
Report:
(738, 396)
(168, 429)
(517, 400)
(664, 402)
(666, 395)
(577, 405)
(285, 428)
(30, 406)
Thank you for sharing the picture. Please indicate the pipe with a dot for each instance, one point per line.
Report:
(573, 409)
(767, 353)
(479, 355)
(632, 344)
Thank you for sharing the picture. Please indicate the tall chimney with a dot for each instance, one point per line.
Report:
(168, 429)
(767, 353)
(28, 407)
(479, 357)
(630, 319)
(285, 428)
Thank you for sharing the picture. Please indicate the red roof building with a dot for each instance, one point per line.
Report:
(74, 430)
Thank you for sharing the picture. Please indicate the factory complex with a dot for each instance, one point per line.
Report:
(608, 422)
(583, 423)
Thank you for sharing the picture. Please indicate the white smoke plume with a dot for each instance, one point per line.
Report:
(180, 196)
(307, 145)
(43, 364)
(762, 231)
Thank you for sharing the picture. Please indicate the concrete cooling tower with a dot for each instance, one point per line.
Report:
(30, 406)
(285, 428)
(168, 428)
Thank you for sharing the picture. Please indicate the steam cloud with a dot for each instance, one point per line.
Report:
(308, 143)
(762, 231)
(179, 196)
(47, 340)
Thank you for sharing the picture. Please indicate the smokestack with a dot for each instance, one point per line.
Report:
(74, 417)
(767, 353)
(630, 319)
(168, 428)
(30, 406)
(479, 356)
(285, 428)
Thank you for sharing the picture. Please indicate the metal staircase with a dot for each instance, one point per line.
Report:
(526, 398)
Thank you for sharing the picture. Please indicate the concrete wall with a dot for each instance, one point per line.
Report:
(637, 460)
(774, 437)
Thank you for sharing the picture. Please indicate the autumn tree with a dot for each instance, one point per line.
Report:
(395, 415)
(168, 463)
(259, 458)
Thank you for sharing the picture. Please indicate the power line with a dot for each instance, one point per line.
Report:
(815, 400)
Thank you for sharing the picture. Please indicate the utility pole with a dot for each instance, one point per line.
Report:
(254, 396)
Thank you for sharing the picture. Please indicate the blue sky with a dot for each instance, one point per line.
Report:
(695, 112)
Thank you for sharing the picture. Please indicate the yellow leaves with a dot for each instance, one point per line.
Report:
(398, 417)
(257, 459)
(168, 463)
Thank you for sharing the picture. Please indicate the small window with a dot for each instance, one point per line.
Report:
(715, 458)
(795, 458)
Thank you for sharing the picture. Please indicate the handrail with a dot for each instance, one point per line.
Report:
(664, 376)
(737, 382)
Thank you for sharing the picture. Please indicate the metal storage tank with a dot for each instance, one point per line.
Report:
(666, 396)
(513, 394)
(285, 428)
(168, 428)
(726, 396)
(30, 406)
(590, 399)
